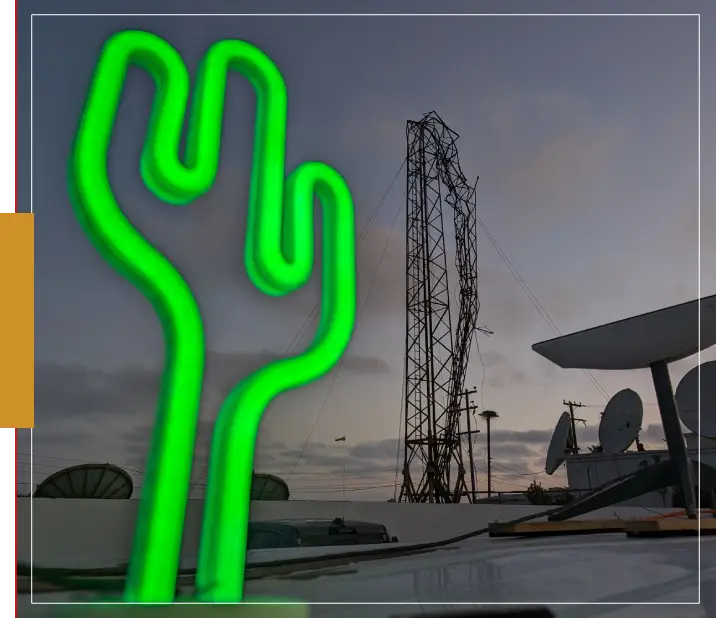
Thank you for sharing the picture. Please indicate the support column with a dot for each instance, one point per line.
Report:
(678, 454)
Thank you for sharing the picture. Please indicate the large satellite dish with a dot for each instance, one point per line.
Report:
(102, 481)
(558, 447)
(687, 400)
(621, 421)
(268, 487)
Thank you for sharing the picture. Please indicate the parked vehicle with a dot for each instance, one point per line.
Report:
(315, 533)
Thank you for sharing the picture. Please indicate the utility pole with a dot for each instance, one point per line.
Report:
(488, 415)
(470, 407)
(572, 405)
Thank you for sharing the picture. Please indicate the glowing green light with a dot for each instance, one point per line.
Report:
(279, 259)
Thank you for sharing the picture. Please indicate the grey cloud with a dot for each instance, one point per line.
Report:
(531, 436)
(561, 173)
(385, 468)
(365, 457)
(587, 435)
(312, 459)
(502, 370)
(517, 458)
(492, 358)
(540, 438)
(504, 308)
(65, 391)
(514, 451)
(378, 458)
(380, 449)
(206, 242)
(506, 378)
(548, 186)
(133, 445)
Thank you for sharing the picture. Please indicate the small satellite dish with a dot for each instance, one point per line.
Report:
(558, 447)
(687, 399)
(98, 481)
(621, 421)
(268, 487)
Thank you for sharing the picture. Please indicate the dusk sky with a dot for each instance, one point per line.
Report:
(583, 131)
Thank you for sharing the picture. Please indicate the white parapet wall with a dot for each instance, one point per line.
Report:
(93, 533)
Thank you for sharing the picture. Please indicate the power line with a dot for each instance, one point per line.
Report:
(380, 475)
(599, 405)
(382, 201)
(512, 474)
(533, 299)
(340, 364)
(300, 335)
(314, 313)
(199, 484)
(69, 459)
(354, 487)
(512, 485)
(515, 472)
(482, 379)
(397, 446)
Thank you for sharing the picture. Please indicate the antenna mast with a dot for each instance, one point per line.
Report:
(572, 405)
(435, 357)
(469, 408)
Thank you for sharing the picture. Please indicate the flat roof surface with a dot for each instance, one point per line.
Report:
(668, 334)
(600, 568)
(603, 568)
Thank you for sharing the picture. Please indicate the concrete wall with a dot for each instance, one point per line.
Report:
(586, 472)
(91, 533)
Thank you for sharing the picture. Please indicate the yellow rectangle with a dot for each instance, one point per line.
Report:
(17, 320)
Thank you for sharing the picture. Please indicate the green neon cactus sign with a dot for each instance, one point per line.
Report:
(279, 260)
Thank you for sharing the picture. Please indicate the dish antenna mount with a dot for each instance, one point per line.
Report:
(621, 421)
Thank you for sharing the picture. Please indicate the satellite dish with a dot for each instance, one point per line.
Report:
(621, 421)
(558, 447)
(669, 334)
(687, 399)
(268, 487)
(102, 481)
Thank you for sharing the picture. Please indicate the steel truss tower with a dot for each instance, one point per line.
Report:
(436, 356)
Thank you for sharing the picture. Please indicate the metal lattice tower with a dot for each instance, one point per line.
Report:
(436, 356)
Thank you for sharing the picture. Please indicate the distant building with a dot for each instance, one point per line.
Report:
(591, 470)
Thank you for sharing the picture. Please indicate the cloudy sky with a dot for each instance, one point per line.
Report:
(583, 131)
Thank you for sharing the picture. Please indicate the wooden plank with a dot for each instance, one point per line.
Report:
(670, 527)
(544, 528)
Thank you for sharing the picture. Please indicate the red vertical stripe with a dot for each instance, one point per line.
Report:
(15, 204)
